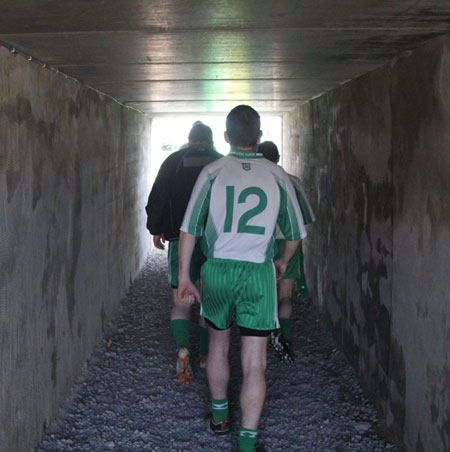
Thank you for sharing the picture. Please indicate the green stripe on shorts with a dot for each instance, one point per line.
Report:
(241, 292)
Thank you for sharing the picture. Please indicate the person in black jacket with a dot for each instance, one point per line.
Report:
(166, 206)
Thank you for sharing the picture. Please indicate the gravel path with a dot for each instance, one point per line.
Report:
(128, 398)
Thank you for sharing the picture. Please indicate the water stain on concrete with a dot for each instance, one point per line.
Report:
(75, 106)
(350, 345)
(397, 370)
(103, 316)
(54, 361)
(23, 110)
(51, 327)
(51, 277)
(75, 240)
(414, 119)
(36, 141)
(419, 444)
(13, 177)
(371, 202)
(444, 430)
(41, 155)
(439, 398)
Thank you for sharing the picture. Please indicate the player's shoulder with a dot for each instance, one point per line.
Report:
(295, 180)
(174, 157)
(215, 165)
(277, 170)
(216, 153)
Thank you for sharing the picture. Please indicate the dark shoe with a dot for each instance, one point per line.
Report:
(222, 428)
(259, 448)
(282, 347)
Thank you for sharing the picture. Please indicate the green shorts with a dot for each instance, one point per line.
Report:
(295, 268)
(241, 292)
(197, 260)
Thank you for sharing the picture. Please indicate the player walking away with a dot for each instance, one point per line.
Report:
(295, 271)
(235, 205)
(166, 205)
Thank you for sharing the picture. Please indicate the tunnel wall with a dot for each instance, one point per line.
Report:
(374, 155)
(73, 187)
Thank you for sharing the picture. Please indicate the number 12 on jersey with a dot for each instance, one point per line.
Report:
(243, 227)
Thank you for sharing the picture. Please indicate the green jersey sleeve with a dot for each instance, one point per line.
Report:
(290, 220)
(305, 206)
(198, 207)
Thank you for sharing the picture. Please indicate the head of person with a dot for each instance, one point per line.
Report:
(243, 126)
(200, 134)
(270, 151)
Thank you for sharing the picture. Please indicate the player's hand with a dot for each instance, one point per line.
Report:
(158, 241)
(188, 293)
(280, 268)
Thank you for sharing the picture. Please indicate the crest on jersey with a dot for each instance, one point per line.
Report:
(246, 166)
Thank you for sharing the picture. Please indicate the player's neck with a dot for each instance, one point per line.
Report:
(251, 149)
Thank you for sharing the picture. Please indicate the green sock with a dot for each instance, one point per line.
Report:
(247, 439)
(180, 331)
(219, 409)
(203, 333)
(285, 328)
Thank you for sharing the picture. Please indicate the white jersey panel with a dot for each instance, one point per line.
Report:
(305, 206)
(235, 205)
(251, 194)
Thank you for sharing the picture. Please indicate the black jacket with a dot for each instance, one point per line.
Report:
(172, 189)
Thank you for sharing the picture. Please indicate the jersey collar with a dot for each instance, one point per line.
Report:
(245, 155)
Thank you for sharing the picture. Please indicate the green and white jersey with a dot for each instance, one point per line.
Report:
(237, 202)
(305, 206)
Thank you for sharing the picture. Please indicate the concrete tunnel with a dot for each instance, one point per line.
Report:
(363, 89)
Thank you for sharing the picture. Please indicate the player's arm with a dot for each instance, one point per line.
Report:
(158, 241)
(192, 226)
(290, 219)
(187, 292)
(158, 206)
(291, 223)
(282, 262)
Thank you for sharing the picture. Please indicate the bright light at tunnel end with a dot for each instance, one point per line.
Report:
(170, 132)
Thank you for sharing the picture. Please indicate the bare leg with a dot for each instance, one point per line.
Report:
(285, 291)
(179, 310)
(253, 391)
(203, 341)
(201, 319)
(217, 366)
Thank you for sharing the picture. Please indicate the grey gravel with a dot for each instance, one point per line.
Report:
(128, 399)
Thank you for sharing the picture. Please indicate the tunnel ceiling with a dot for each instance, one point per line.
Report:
(191, 55)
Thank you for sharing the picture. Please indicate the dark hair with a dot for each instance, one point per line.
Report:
(243, 126)
(269, 150)
(200, 132)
